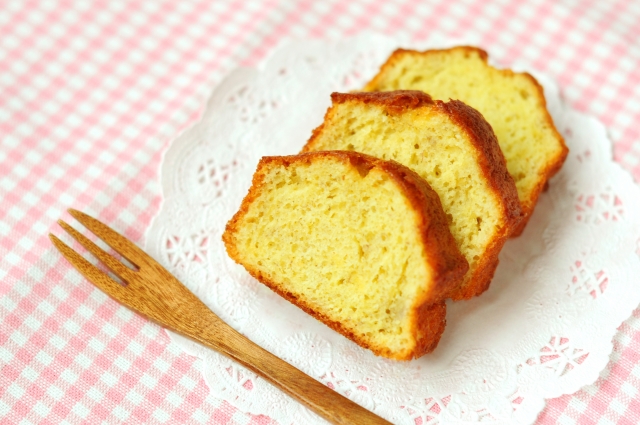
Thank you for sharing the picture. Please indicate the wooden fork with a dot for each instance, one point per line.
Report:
(155, 293)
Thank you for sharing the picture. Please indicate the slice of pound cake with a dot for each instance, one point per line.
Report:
(513, 103)
(449, 145)
(359, 243)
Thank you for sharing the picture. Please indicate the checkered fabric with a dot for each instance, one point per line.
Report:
(91, 92)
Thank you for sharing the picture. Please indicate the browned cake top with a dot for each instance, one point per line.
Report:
(396, 101)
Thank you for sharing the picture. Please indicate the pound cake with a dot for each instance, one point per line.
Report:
(513, 103)
(359, 243)
(449, 145)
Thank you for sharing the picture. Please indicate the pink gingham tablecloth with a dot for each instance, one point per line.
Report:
(92, 92)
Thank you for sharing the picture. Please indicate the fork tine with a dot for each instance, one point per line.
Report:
(89, 271)
(119, 243)
(124, 272)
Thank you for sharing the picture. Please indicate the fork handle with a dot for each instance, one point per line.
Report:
(321, 399)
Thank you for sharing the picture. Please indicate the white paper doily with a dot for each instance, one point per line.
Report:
(543, 329)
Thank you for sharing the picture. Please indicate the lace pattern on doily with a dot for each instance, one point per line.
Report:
(543, 329)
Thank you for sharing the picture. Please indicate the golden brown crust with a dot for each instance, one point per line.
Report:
(488, 155)
(447, 263)
(430, 321)
(395, 101)
(553, 165)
